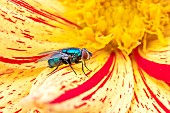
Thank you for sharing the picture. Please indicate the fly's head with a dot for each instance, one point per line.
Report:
(85, 54)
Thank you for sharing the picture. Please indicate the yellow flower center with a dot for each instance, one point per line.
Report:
(124, 24)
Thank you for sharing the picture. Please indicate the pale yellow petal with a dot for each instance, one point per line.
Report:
(157, 52)
(150, 95)
(14, 85)
(155, 60)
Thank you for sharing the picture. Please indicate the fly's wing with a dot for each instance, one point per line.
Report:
(52, 55)
(47, 55)
(50, 52)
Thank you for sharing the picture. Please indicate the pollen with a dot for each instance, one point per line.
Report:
(122, 24)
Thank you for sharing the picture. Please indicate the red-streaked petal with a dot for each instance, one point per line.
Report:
(31, 20)
(108, 88)
(23, 38)
(155, 62)
(43, 13)
(14, 85)
(151, 95)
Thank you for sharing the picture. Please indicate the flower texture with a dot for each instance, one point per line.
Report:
(129, 40)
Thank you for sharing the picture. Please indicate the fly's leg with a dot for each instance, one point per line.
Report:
(70, 66)
(82, 66)
(86, 66)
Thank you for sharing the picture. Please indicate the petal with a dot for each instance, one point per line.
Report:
(32, 20)
(26, 31)
(14, 85)
(151, 95)
(155, 61)
(108, 88)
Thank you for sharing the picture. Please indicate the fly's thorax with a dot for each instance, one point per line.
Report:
(72, 51)
(85, 54)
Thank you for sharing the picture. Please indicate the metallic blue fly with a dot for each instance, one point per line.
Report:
(67, 56)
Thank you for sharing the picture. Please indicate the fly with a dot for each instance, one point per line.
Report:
(67, 56)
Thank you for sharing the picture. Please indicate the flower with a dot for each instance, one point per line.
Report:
(130, 64)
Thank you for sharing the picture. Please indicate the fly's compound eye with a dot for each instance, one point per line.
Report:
(86, 54)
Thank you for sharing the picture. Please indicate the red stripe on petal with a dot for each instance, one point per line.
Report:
(36, 111)
(26, 35)
(90, 83)
(18, 111)
(41, 21)
(1, 97)
(168, 84)
(152, 94)
(108, 76)
(20, 60)
(65, 20)
(156, 108)
(16, 49)
(45, 14)
(136, 97)
(78, 106)
(156, 70)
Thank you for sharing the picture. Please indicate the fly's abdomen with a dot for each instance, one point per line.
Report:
(53, 62)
